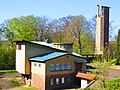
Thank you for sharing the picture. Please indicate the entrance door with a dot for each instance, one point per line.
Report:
(77, 82)
(78, 67)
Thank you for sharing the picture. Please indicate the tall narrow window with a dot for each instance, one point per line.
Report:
(51, 81)
(57, 66)
(69, 66)
(19, 46)
(35, 64)
(68, 79)
(39, 65)
(57, 81)
(63, 66)
(63, 80)
(52, 67)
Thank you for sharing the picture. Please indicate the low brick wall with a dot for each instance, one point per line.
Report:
(26, 79)
(38, 81)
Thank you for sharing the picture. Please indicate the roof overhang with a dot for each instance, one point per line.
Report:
(85, 76)
(80, 61)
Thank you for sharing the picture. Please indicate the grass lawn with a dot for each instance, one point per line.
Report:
(15, 83)
(6, 71)
(27, 88)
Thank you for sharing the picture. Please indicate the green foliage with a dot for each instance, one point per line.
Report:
(113, 84)
(81, 35)
(27, 28)
(73, 29)
(117, 51)
(7, 57)
(20, 28)
(90, 89)
(113, 61)
(27, 88)
(14, 82)
(87, 43)
(7, 71)
(101, 69)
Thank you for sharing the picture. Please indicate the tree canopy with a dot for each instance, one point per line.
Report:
(117, 51)
(75, 29)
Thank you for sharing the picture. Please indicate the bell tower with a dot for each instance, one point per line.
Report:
(102, 29)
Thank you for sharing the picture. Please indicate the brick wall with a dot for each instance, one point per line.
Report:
(38, 81)
(26, 80)
(59, 86)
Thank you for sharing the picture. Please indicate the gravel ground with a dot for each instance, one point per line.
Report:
(5, 83)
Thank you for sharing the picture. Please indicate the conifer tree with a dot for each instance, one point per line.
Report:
(117, 51)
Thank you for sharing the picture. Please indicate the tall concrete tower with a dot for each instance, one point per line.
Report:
(102, 29)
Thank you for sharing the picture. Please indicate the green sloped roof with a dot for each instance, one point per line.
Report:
(47, 56)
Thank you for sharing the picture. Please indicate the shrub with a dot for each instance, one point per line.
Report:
(113, 84)
(14, 81)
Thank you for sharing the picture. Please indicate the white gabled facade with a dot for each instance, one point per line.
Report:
(20, 59)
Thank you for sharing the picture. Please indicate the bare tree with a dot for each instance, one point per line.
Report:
(77, 27)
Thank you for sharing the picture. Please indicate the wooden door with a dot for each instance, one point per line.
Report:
(78, 67)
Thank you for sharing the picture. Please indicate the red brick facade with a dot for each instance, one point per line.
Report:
(60, 85)
(26, 79)
(105, 26)
(38, 81)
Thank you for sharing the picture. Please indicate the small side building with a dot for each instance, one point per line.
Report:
(48, 67)
(55, 70)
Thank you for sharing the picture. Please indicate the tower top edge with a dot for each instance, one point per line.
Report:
(103, 6)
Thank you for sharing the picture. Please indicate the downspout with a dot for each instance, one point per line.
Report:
(30, 73)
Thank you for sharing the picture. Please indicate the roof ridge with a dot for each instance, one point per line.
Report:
(26, 41)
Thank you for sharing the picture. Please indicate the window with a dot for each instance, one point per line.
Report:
(19, 46)
(63, 66)
(63, 80)
(52, 67)
(67, 56)
(69, 66)
(39, 65)
(57, 66)
(51, 81)
(68, 79)
(57, 81)
(35, 64)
